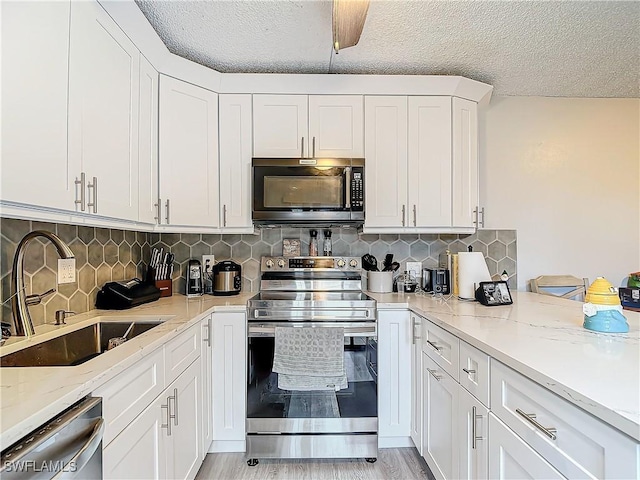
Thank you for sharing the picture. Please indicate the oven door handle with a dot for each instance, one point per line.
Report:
(269, 330)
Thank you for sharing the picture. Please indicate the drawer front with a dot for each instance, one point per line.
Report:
(576, 443)
(442, 347)
(181, 352)
(474, 372)
(128, 394)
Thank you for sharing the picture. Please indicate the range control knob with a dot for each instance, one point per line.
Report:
(269, 263)
(341, 263)
(353, 263)
(281, 263)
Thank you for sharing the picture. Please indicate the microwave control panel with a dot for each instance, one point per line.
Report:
(357, 191)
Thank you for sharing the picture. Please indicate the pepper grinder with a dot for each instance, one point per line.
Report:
(313, 243)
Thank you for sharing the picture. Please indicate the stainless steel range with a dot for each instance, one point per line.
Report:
(292, 418)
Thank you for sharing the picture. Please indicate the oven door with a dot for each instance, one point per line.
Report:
(273, 410)
(305, 190)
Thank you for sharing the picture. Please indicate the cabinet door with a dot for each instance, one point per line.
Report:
(229, 377)
(184, 457)
(140, 449)
(336, 126)
(416, 382)
(473, 430)
(429, 161)
(235, 160)
(35, 72)
(104, 70)
(206, 363)
(188, 154)
(440, 417)
(465, 162)
(280, 128)
(394, 378)
(148, 210)
(511, 458)
(386, 165)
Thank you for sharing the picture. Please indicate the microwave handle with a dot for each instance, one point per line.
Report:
(347, 174)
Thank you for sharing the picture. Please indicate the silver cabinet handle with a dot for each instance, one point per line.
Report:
(475, 217)
(208, 330)
(302, 148)
(158, 207)
(224, 215)
(94, 186)
(474, 419)
(175, 405)
(531, 418)
(313, 147)
(416, 336)
(82, 183)
(415, 222)
(82, 457)
(347, 186)
(403, 211)
(167, 212)
(482, 213)
(433, 344)
(435, 375)
(168, 424)
(468, 371)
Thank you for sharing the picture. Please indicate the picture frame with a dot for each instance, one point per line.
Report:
(291, 247)
(494, 293)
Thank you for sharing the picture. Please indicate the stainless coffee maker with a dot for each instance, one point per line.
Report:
(195, 285)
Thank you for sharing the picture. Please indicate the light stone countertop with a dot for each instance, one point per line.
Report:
(542, 337)
(30, 396)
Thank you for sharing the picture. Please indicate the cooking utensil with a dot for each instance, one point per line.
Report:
(394, 266)
(115, 341)
(388, 260)
(370, 263)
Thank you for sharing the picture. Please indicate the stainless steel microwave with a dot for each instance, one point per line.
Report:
(306, 191)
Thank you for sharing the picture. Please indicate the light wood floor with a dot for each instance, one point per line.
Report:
(393, 463)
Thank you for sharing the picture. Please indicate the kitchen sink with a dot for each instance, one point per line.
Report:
(77, 347)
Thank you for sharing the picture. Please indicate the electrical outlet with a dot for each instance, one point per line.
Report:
(211, 259)
(414, 269)
(66, 270)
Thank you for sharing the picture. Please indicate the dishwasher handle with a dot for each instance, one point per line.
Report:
(80, 459)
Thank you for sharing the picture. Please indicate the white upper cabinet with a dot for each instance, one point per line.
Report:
(188, 154)
(35, 69)
(148, 210)
(235, 161)
(422, 164)
(305, 126)
(429, 162)
(465, 163)
(104, 77)
(386, 161)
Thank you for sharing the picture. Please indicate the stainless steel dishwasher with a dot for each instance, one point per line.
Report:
(69, 446)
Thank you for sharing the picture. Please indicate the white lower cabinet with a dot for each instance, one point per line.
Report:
(440, 428)
(229, 382)
(511, 458)
(416, 382)
(206, 364)
(394, 378)
(473, 437)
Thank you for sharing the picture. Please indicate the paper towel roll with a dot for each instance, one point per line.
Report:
(472, 269)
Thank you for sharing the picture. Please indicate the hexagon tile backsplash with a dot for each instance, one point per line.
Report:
(104, 255)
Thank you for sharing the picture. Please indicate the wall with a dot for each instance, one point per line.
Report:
(564, 173)
(104, 255)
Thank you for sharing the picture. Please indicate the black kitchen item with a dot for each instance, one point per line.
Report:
(436, 280)
(6, 330)
(388, 260)
(394, 266)
(494, 293)
(369, 263)
(326, 245)
(227, 278)
(195, 284)
(126, 294)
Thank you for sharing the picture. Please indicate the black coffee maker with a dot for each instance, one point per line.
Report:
(195, 285)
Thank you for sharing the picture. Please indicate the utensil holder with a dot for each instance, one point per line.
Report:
(166, 287)
(380, 282)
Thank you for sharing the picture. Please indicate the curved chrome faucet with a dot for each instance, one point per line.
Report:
(19, 302)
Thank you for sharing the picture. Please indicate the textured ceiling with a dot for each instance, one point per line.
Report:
(568, 49)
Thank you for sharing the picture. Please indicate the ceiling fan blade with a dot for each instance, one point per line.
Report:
(348, 21)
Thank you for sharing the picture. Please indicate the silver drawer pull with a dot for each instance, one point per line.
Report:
(468, 371)
(435, 375)
(168, 424)
(530, 417)
(474, 419)
(433, 344)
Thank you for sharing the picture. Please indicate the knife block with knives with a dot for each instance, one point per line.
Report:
(160, 271)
